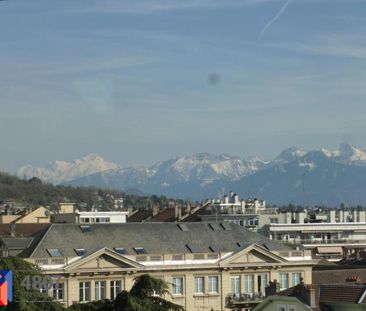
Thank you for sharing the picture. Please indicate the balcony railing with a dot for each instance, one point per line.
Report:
(331, 241)
(243, 298)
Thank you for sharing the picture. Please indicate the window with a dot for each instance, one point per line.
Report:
(199, 285)
(80, 251)
(115, 288)
(54, 252)
(139, 250)
(235, 285)
(296, 278)
(262, 282)
(252, 222)
(249, 284)
(283, 280)
(177, 286)
(291, 308)
(120, 250)
(99, 290)
(102, 219)
(84, 291)
(213, 284)
(85, 228)
(273, 220)
(281, 308)
(58, 291)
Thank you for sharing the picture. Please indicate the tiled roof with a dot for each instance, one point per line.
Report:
(21, 230)
(165, 215)
(344, 293)
(155, 238)
(140, 216)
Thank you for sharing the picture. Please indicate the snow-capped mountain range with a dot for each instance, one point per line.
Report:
(202, 175)
(61, 171)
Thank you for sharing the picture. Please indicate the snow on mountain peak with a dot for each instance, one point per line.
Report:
(289, 154)
(61, 171)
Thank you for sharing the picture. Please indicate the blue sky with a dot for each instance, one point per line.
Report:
(138, 81)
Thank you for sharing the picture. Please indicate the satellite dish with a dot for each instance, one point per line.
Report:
(47, 213)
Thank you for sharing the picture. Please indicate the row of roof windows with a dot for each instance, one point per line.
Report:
(214, 226)
(55, 252)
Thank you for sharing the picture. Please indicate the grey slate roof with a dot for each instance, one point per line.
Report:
(156, 238)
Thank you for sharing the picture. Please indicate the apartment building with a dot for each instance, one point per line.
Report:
(209, 266)
(333, 235)
(68, 213)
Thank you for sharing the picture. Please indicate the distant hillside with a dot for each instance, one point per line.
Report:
(34, 192)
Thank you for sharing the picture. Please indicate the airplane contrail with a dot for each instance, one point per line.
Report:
(275, 18)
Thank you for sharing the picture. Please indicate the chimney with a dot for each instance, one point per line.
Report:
(179, 213)
(310, 296)
(155, 210)
(272, 288)
(129, 210)
(12, 230)
(226, 199)
(243, 206)
(176, 209)
(188, 208)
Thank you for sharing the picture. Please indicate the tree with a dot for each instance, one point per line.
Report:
(26, 300)
(143, 296)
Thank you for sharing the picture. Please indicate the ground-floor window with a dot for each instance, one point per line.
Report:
(99, 290)
(58, 291)
(115, 288)
(84, 291)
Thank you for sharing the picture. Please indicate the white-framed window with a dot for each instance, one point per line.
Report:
(281, 308)
(296, 276)
(43, 289)
(177, 285)
(283, 280)
(115, 288)
(213, 284)
(58, 291)
(291, 308)
(99, 290)
(199, 285)
(84, 291)
(249, 283)
(235, 284)
(262, 282)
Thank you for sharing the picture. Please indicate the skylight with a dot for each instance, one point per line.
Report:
(215, 227)
(183, 227)
(120, 250)
(226, 226)
(140, 250)
(80, 251)
(54, 252)
(85, 228)
(213, 249)
(193, 248)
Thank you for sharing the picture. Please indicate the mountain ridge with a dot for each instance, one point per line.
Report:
(204, 175)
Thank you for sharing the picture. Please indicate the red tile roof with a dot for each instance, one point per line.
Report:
(345, 293)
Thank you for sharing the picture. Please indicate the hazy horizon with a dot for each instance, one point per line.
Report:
(141, 82)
